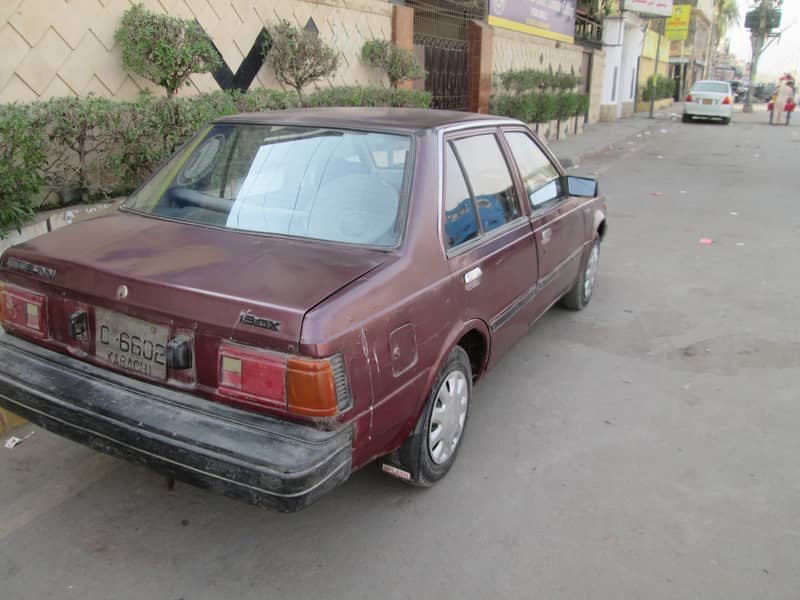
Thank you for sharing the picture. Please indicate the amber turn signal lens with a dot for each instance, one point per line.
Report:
(310, 387)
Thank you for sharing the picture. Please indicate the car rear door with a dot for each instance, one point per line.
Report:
(487, 236)
(556, 219)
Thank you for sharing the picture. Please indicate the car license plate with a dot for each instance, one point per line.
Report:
(708, 101)
(131, 344)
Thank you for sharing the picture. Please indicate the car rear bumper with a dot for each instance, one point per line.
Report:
(696, 109)
(257, 458)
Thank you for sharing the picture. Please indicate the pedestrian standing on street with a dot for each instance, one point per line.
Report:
(784, 92)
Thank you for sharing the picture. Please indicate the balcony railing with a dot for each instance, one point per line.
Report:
(588, 31)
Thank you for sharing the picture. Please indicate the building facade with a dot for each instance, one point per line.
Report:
(51, 48)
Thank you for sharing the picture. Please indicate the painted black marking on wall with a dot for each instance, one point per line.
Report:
(247, 71)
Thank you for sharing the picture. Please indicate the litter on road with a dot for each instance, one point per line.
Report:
(706, 241)
(13, 441)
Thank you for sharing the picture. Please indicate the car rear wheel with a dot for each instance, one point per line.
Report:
(581, 292)
(431, 450)
(726, 121)
(687, 118)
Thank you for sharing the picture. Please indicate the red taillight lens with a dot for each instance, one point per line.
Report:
(24, 311)
(689, 98)
(727, 100)
(253, 375)
(303, 386)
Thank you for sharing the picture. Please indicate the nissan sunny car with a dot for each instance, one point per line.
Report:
(295, 295)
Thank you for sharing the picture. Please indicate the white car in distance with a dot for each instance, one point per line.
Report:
(709, 100)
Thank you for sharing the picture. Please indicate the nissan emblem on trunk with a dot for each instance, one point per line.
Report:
(122, 292)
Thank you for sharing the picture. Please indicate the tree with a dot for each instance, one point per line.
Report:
(299, 57)
(399, 64)
(164, 49)
(726, 13)
(761, 21)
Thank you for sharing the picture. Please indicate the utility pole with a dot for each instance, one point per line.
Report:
(761, 25)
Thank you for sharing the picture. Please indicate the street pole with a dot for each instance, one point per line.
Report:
(757, 38)
(655, 73)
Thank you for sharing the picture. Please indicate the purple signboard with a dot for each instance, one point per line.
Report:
(553, 19)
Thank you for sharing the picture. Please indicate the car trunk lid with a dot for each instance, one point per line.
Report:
(252, 288)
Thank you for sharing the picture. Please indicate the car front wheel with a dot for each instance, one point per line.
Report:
(581, 292)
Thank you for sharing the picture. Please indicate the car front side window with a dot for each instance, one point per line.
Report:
(489, 179)
(539, 175)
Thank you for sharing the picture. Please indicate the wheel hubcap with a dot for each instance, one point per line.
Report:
(591, 272)
(448, 417)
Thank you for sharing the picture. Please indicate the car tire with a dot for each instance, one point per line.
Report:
(425, 458)
(581, 293)
(726, 121)
(687, 118)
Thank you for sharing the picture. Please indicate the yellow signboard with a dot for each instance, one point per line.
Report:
(677, 27)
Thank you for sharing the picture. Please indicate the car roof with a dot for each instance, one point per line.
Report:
(406, 120)
(711, 81)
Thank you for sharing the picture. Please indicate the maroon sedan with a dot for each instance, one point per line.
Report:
(297, 294)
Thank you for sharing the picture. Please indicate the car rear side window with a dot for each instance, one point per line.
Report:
(488, 178)
(538, 174)
(460, 222)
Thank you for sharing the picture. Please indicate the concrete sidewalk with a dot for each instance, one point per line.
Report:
(598, 137)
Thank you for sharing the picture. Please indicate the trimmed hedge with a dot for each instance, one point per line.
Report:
(535, 96)
(69, 150)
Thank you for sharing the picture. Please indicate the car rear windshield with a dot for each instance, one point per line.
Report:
(308, 182)
(711, 86)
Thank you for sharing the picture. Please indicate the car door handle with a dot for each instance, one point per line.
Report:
(472, 278)
(546, 235)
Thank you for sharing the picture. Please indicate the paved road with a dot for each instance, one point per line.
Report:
(646, 447)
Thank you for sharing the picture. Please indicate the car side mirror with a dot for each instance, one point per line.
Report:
(582, 187)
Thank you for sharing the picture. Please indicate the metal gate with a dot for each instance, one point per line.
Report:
(440, 30)
(446, 63)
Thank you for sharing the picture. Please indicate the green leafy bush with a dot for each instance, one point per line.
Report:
(369, 96)
(22, 165)
(80, 132)
(531, 80)
(262, 99)
(567, 105)
(530, 107)
(299, 58)
(583, 104)
(164, 49)
(398, 63)
(664, 87)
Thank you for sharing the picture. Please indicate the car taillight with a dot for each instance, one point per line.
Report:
(23, 310)
(303, 386)
(689, 98)
(311, 388)
(727, 100)
(254, 375)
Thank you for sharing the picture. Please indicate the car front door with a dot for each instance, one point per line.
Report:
(557, 219)
(487, 236)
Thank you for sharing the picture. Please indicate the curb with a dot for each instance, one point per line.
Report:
(576, 158)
